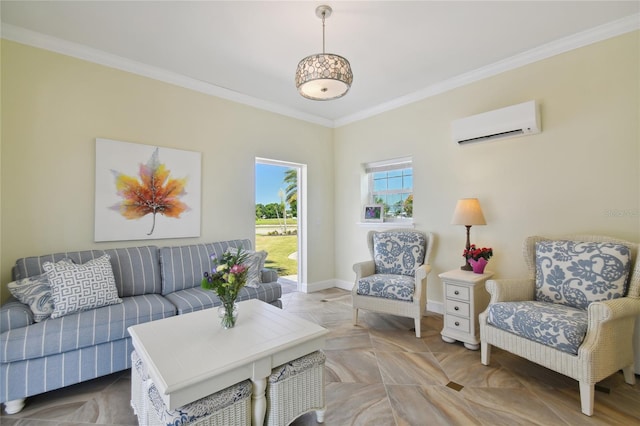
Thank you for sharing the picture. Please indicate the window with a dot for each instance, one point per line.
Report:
(390, 183)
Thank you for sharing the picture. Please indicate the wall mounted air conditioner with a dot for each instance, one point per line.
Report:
(515, 120)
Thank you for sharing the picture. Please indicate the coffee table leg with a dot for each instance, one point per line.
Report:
(258, 401)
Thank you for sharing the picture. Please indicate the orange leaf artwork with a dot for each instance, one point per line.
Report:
(154, 193)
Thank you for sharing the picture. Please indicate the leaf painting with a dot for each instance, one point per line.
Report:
(153, 192)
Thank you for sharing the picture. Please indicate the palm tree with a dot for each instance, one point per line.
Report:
(291, 179)
(284, 209)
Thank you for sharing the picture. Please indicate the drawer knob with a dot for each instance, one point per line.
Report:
(456, 308)
(456, 292)
(457, 324)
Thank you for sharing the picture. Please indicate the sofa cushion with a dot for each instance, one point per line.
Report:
(577, 273)
(77, 288)
(136, 269)
(552, 324)
(183, 266)
(36, 293)
(82, 329)
(398, 253)
(397, 287)
(196, 298)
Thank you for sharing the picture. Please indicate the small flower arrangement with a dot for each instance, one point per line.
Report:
(476, 253)
(227, 277)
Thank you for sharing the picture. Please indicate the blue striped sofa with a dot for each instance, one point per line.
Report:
(153, 283)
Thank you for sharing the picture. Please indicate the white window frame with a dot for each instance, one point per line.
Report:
(388, 165)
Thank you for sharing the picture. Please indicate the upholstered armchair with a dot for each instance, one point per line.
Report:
(394, 281)
(574, 314)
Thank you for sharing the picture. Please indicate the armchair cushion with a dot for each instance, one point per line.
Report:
(577, 273)
(398, 253)
(552, 324)
(397, 287)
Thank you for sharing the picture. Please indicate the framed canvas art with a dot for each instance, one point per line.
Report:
(373, 213)
(146, 192)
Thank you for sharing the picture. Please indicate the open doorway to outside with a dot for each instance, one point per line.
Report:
(280, 231)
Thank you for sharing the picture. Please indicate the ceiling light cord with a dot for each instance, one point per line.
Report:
(323, 15)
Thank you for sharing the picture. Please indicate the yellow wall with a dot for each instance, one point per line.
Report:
(581, 174)
(55, 106)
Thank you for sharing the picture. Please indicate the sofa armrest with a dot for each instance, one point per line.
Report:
(421, 281)
(610, 329)
(269, 275)
(511, 290)
(610, 310)
(14, 314)
(364, 269)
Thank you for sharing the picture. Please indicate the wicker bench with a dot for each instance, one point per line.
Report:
(230, 406)
(295, 388)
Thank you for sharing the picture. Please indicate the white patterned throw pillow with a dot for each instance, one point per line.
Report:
(76, 288)
(35, 292)
(255, 263)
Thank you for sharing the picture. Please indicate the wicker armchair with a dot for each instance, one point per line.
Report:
(395, 280)
(607, 324)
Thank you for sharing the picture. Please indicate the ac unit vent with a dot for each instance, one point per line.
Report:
(515, 120)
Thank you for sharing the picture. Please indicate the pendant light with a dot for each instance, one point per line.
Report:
(323, 76)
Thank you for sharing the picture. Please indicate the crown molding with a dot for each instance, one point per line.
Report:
(43, 41)
(556, 47)
(575, 41)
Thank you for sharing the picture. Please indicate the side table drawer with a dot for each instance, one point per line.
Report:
(457, 308)
(458, 292)
(460, 324)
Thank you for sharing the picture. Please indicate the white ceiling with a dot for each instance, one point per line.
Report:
(248, 51)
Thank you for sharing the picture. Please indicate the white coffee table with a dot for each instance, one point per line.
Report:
(191, 356)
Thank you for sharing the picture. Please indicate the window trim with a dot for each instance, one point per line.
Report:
(383, 166)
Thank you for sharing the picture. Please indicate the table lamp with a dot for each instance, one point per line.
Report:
(468, 213)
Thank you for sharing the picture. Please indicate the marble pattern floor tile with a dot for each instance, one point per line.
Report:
(379, 374)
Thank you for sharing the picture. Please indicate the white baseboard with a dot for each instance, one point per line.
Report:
(345, 285)
(435, 307)
(317, 286)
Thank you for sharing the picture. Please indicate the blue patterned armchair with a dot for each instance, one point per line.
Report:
(395, 280)
(575, 313)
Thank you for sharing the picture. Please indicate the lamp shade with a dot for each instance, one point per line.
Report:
(468, 212)
(323, 76)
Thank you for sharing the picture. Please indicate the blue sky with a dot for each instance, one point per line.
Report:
(269, 180)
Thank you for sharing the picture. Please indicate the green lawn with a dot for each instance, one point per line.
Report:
(279, 248)
(277, 222)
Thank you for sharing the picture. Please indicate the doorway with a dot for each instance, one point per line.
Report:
(280, 203)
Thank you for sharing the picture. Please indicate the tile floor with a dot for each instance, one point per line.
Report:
(378, 373)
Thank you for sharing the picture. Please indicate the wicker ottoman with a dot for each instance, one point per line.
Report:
(296, 388)
(230, 406)
(139, 377)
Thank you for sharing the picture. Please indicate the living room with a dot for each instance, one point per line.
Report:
(581, 174)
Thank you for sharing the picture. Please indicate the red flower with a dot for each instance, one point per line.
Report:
(475, 253)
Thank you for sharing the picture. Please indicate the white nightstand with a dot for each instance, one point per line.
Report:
(464, 298)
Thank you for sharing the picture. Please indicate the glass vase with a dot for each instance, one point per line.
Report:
(228, 313)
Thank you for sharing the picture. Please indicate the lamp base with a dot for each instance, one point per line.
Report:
(466, 267)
